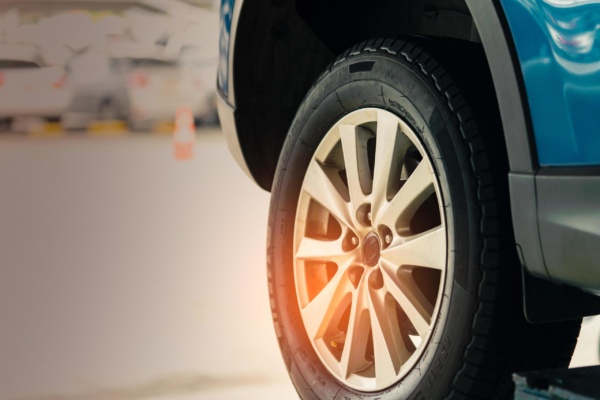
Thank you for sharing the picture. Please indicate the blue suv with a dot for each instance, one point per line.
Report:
(434, 168)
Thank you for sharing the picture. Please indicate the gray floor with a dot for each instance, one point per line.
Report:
(129, 275)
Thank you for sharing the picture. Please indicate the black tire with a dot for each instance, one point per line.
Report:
(479, 335)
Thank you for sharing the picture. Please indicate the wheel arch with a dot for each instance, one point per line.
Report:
(282, 46)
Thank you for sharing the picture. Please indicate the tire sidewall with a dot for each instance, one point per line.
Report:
(397, 86)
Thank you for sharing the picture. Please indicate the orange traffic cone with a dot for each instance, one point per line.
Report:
(184, 136)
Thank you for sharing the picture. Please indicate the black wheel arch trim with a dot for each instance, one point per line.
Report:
(506, 73)
(503, 62)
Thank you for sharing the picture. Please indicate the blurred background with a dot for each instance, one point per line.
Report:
(70, 64)
(130, 269)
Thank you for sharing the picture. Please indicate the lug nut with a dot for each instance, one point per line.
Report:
(388, 238)
(354, 241)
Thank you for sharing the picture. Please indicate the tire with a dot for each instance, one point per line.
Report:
(391, 263)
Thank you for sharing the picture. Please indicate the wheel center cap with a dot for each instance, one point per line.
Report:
(371, 249)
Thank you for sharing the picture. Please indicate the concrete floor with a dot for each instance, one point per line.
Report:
(127, 274)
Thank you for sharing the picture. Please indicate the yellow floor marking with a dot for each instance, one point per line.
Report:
(107, 128)
(47, 130)
(163, 127)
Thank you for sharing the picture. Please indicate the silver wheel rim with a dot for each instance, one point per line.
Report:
(370, 249)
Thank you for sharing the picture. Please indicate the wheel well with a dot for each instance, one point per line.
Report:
(283, 45)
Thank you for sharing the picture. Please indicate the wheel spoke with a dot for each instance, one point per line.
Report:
(405, 203)
(354, 144)
(326, 188)
(353, 356)
(427, 249)
(327, 306)
(389, 348)
(410, 298)
(323, 250)
(390, 149)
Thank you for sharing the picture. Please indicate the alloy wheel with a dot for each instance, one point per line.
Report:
(370, 249)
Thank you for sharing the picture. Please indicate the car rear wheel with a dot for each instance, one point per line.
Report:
(391, 262)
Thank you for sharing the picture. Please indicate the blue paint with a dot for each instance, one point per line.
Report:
(224, 45)
(558, 49)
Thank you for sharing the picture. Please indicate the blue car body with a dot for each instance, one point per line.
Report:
(559, 55)
(226, 15)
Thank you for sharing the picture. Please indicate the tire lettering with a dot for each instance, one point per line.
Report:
(447, 342)
(303, 354)
(406, 115)
(431, 378)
